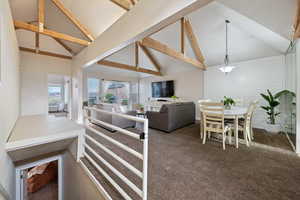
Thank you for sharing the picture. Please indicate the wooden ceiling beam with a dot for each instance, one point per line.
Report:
(136, 54)
(125, 4)
(150, 56)
(45, 53)
(158, 46)
(297, 22)
(193, 40)
(66, 47)
(128, 67)
(134, 2)
(182, 36)
(37, 42)
(41, 15)
(54, 34)
(73, 19)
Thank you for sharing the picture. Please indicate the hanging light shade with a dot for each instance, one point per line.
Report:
(227, 68)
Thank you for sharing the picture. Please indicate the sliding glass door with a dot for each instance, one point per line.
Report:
(116, 92)
(94, 92)
(288, 101)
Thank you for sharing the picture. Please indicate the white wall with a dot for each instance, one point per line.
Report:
(246, 82)
(9, 93)
(34, 80)
(77, 185)
(298, 98)
(188, 86)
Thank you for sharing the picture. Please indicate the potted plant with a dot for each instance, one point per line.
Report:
(110, 98)
(228, 102)
(85, 104)
(142, 109)
(270, 108)
(174, 98)
(124, 102)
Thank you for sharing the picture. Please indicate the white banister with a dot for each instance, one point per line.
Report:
(115, 171)
(143, 137)
(102, 171)
(145, 161)
(137, 119)
(115, 156)
(124, 131)
(122, 146)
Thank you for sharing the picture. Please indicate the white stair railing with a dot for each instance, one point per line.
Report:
(143, 137)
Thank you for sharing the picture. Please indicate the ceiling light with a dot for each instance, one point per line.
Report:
(227, 68)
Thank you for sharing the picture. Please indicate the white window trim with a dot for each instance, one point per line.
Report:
(19, 170)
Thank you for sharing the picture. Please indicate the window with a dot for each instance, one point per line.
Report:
(116, 92)
(93, 91)
(55, 94)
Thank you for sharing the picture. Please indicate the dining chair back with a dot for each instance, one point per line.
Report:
(239, 102)
(249, 118)
(201, 116)
(213, 120)
(247, 127)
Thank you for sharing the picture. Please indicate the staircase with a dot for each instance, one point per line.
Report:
(117, 161)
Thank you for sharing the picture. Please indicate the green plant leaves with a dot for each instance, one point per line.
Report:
(272, 104)
(265, 97)
(285, 93)
(228, 101)
(266, 108)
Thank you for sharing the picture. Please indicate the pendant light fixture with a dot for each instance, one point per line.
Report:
(227, 68)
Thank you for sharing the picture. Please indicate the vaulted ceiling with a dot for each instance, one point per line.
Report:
(252, 35)
(256, 30)
(95, 15)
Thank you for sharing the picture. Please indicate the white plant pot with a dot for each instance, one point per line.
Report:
(273, 128)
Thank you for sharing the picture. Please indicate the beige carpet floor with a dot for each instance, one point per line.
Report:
(182, 168)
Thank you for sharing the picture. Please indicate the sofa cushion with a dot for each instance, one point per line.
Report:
(164, 109)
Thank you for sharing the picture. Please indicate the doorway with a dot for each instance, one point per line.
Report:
(59, 95)
(40, 180)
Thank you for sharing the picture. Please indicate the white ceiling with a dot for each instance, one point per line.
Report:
(256, 30)
(96, 15)
(248, 39)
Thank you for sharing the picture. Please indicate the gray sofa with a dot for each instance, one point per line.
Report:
(172, 116)
(112, 119)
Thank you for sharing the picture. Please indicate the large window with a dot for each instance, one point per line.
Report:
(93, 91)
(119, 92)
(55, 94)
(116, 92)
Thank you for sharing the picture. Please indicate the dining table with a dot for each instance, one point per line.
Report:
(236, 113)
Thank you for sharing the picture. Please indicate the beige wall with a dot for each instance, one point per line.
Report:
(34, 80)
(9, 93)
(188, 85)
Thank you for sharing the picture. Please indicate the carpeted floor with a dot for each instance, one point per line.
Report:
(274, 140)
(181, 168)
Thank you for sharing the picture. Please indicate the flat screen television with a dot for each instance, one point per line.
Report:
(162, 89)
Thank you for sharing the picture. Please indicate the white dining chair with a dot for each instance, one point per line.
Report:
(246, 124)
(239, 102)
(213, 121)
(254, 104)
(201, 116)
